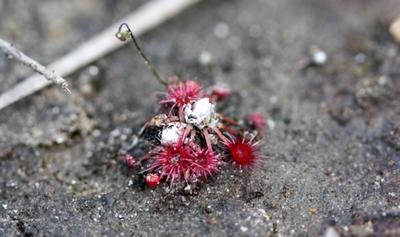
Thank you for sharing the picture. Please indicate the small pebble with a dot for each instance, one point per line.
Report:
(94, 70)
(271, 124)
(360, 58)
(96, 133)
(363, 230)
(205, 58)
(312, 211)
(382, 80)
(60, 139)
(319, 57)
(208, 209)
(221, 30)
(395, 29)
(331, 232)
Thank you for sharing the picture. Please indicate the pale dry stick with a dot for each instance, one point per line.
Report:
(144, 19)
(16, 54)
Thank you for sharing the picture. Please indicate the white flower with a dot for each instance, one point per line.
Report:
(201, 113)
(172, 133)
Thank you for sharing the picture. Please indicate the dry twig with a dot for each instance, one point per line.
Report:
(144, 19)
(13, 52)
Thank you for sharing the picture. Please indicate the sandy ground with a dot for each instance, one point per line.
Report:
(333, 143)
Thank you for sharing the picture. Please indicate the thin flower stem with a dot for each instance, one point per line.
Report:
(229, 120)
(229, 130)
(185, 134)
(181, 115)
(220, 135)
(207, 138)
(121, 35)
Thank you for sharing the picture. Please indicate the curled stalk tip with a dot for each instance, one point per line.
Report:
(122, 35)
